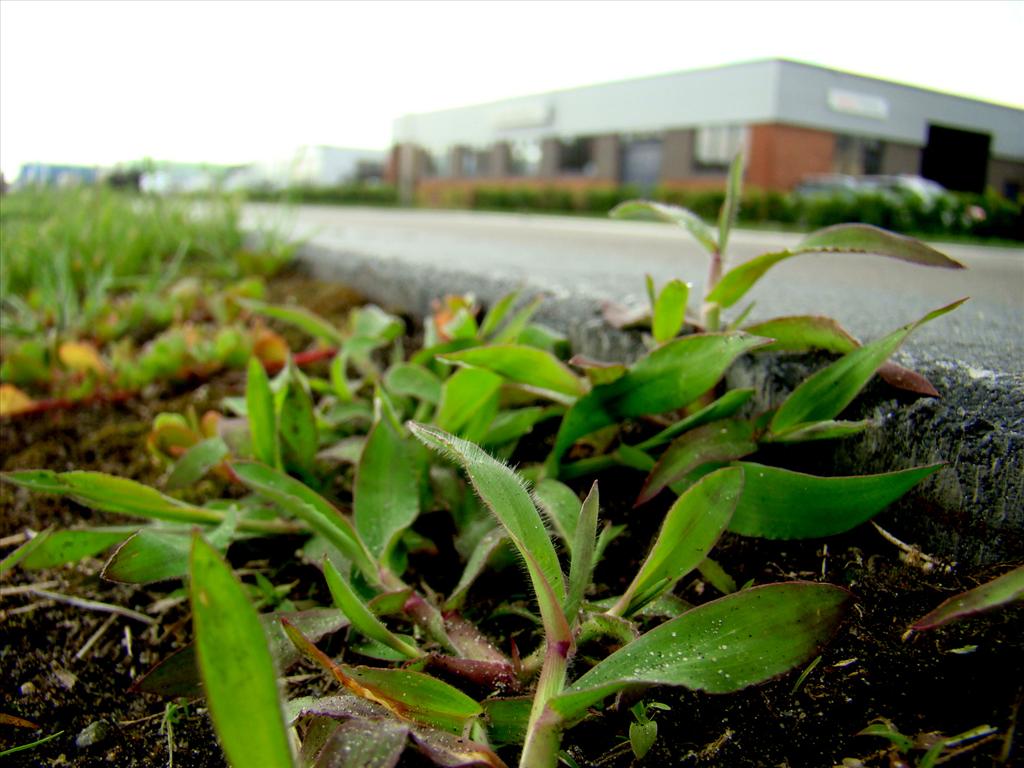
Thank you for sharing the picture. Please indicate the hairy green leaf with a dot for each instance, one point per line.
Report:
(670, 310)
(506, 496)
(690, 530)
(719, 647)
(824, 395)
(820, 430)
(1004, 590)
(236, 666)
(781, 504)
(723, 440)
(670, 377)
(645, 210)
(492, 542)
(528, 366)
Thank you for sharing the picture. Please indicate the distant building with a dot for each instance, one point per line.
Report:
(49, 175)
(792, 120)
(311, 166)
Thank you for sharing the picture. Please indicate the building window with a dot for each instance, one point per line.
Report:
(524, 158)
(871, 156)
(717, 145)
(855, 155)
(576, 156)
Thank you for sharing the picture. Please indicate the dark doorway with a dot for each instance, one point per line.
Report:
(641, 163)
(956, 158)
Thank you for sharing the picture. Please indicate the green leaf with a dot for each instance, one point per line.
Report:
(492, 542)
(319, 514)
(297, 429)
(824, 395)
(512, 425)
(648, 211)
(113, 494)
(299, 317)
(506, 496)
(803, 333)
(731, 205)
(722, 408)
(406, 693)
(597, 371)
(411, 380)
(497, 313)
(864, 238)
(781, 504)
(362, 617)
(196, 462)
(531, 367)
(468, 394)
(690, 530)
(374, 327)
(719, 647)
(259, 401)
(820, 430)
(642, 737)
(516, 324)
(581, 564)
(235, 665)
(1004, 590)
(386, 493)
(561, 508)
(670, 377)
(54, 548)
(670, 310)
(507, 718)
(841, 238)
(149, 556)
(724, 440)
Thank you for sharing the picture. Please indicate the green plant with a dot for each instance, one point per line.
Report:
(353, 457)
(937, 747)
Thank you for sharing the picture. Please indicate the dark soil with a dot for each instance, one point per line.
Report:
(68, 669)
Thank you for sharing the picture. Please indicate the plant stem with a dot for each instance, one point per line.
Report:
(544, 728)
(710, 312)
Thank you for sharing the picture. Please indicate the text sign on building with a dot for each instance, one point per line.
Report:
(524, 115)
(860, 104)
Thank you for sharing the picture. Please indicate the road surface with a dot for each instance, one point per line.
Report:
(869, 295)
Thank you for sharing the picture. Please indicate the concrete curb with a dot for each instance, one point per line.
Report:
(971, 511)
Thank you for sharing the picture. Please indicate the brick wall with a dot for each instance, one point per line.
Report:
(782, 155)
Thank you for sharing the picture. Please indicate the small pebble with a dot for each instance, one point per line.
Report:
(27, 689)
(93, 733)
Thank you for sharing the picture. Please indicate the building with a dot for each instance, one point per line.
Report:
(311, 166)
(50, 175)
(792, 120)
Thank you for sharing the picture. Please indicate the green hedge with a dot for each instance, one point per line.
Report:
(988, 215)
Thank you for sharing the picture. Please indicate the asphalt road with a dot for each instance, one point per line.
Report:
(869, 295)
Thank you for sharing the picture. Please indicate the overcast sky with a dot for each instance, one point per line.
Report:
(98, 82)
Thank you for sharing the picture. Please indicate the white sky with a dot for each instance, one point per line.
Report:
(228, 82)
